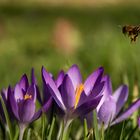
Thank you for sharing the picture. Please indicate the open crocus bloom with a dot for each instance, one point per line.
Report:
(73, 96)
(110, 105)
(22, 101)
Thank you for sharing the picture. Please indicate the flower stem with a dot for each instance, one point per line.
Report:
(22, 128)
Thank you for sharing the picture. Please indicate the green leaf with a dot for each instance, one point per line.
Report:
(29, 134)
(102, 132)
(121, 136)
(85, 130)
(43, 125)
(36, 135)
(16, 133)
(130, 135)
(51, 128)
(95, 126)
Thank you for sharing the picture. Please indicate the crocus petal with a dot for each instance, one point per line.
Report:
(26, 110)
(4, 94)
(33, 78)
(13, 103)
(75, 76)
(107, 91)
(59, 79)
(127, 113)
(108, 85)
(32, 91)
(82, 99)
(47, 105)
(92, 79)
(67, 92)
(86, 107)
(23, 83)
(46, 93)
(34, 82)
(120, 96)
(36, 115)
(18, 93)
(107, 111)
(38, 95)
(96, 92)
(52, 88)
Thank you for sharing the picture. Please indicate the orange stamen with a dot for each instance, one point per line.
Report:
(27, 96)
(78, 92)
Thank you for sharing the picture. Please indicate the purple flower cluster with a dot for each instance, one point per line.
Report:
(71, 96)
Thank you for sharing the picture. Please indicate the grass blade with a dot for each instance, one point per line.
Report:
(51, 129)
(16, 133)
(10, 131)
(102, 132)
(95, 126)
(85, 130)
(121, 136)
(29, 134)
(43, 125)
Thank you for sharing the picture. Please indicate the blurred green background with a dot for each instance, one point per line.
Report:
(58, 36)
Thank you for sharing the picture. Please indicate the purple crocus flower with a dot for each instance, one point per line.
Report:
(22, 101)
(74, 97)
(109, 108)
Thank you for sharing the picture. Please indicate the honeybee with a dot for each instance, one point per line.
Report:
(132, 31)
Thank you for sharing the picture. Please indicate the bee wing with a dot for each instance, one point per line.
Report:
(120, 26)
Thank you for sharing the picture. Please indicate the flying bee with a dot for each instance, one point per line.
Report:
(132, 31)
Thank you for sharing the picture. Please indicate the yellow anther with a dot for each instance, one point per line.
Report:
(27, 96)
(78, 92)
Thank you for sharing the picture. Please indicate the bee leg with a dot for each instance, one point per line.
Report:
(130, 33)
(132, 39)
(135, 37)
